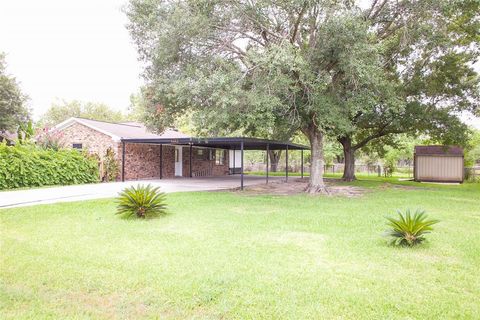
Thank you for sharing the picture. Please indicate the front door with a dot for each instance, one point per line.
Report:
(178, 162)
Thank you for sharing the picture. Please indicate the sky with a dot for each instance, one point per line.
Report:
(70, 49)
(74, 49)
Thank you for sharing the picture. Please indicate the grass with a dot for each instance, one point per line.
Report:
(228, 255)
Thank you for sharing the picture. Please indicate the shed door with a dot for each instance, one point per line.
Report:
(178, 162)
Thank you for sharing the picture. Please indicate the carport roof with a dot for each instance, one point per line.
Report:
(224, 143)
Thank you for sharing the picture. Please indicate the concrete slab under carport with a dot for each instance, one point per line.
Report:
(54, 194)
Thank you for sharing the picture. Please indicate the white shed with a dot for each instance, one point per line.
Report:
(438, 164)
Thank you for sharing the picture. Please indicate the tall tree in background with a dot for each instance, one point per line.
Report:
(62, 110)
(136, 109)
(428, 49)
(13, 109)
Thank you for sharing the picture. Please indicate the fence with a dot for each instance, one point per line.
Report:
(471, 174)
(378, 170)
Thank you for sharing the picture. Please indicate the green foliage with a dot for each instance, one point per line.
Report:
(30, 166)
(409, 230)
(472, 150)
(471, 175)
(390, 165)
(141, 202)
(13, 109)
(62, 110)
(136, 109)
(110, 166)
(25, 132)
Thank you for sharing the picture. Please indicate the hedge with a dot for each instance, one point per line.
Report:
(31, 166)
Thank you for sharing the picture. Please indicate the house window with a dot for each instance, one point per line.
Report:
(219, 157)
(77, 146)
(202, 154)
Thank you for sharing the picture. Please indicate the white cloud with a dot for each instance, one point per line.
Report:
(70, 50)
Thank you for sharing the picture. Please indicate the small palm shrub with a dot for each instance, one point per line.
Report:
(141, 202)
(409, 229)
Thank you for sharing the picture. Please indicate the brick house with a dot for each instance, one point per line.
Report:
(143, 160)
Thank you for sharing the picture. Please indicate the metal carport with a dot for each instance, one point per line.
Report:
(227, 143)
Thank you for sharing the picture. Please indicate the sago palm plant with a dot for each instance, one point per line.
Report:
(141, 202)
(409, 229)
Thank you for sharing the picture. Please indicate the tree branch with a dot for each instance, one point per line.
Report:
(297, 22)
(377, 12)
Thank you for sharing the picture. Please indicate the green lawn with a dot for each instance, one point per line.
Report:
(230, 255)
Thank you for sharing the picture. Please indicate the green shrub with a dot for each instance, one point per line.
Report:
(141, 202)
(110, 165)
(31, 166)
(408, 229)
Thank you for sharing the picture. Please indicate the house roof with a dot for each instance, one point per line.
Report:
(439, 150)
(119, 131)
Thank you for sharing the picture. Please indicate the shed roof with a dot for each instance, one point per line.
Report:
(439, 150)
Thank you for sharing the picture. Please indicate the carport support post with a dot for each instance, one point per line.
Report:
(301, 166)
(191, 149)
(123, 161)
(161, 161)
(241, 166)
(233, 171)
(268, 152)
(286, 164)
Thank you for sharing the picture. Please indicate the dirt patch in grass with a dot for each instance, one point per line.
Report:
(387, 185)
(298, 185)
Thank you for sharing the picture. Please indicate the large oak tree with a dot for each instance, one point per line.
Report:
(317, 66)
(250, 63)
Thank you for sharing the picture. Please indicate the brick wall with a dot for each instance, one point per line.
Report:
(201, 165)
(142, 161)
(91, 140)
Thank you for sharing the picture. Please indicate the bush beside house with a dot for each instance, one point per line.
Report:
(31, 166)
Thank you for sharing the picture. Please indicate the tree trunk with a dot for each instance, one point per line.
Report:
(274, 156)
(349, 156)
(316, 184)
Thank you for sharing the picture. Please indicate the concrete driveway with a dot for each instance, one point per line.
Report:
(45, 195)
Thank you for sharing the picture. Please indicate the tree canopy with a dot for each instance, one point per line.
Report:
(62, 110)
(13, 102)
